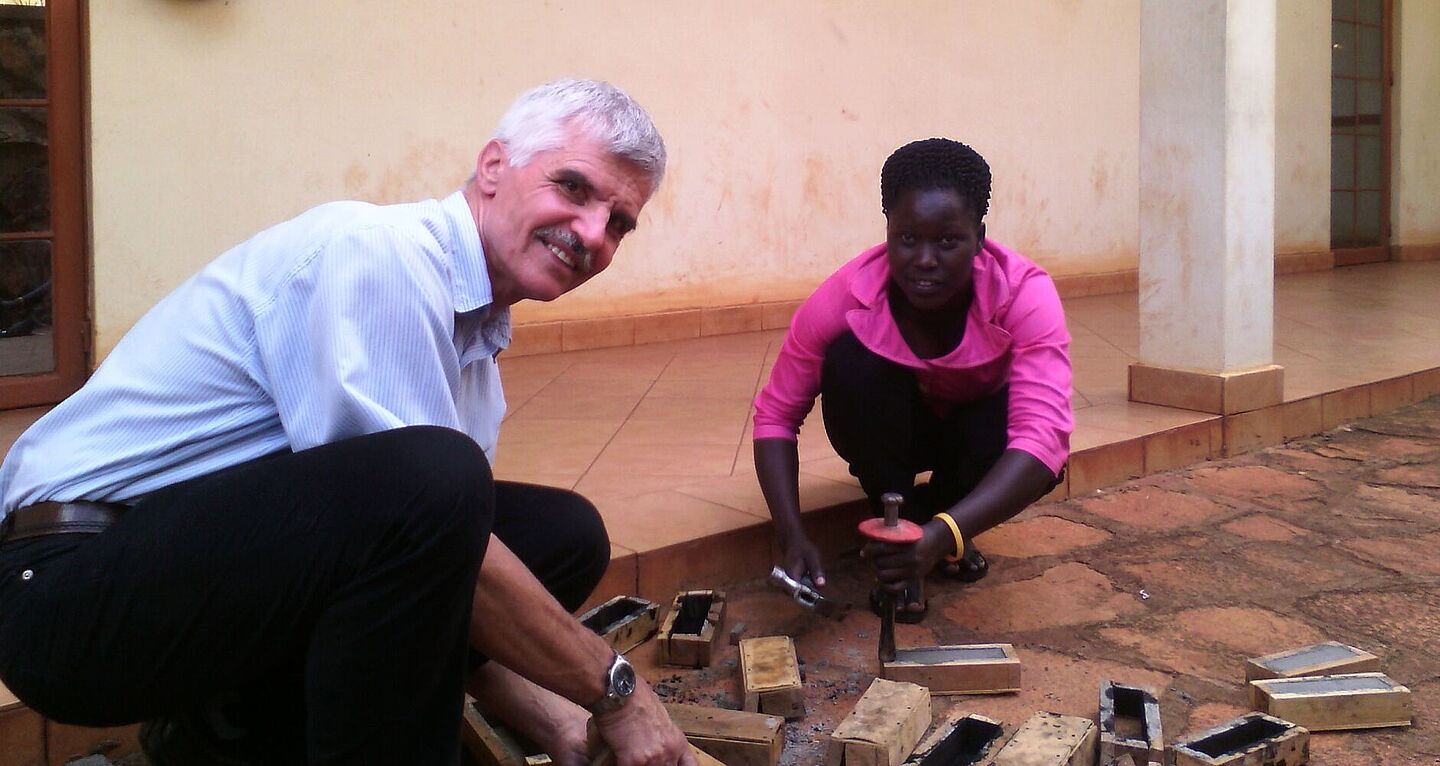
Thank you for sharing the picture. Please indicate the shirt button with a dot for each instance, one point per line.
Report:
(27, 574)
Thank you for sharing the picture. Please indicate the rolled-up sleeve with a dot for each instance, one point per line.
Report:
(1041, 419)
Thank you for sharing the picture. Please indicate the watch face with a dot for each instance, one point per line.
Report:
(624, 678)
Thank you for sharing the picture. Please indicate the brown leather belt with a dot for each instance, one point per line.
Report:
(76, 517)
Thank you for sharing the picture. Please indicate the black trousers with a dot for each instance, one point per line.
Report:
(878, 422)
(328, 591)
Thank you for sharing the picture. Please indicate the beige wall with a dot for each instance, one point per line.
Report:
(211, 120)
(1415, 141)
(1302, 126)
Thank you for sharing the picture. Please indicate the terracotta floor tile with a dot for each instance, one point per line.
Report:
(740, 386)
(725, 429)
(609, 486)
(649, 522)
(544, 406)
(666, 460)
(1137, 418)
(670, 409)
(742, 492)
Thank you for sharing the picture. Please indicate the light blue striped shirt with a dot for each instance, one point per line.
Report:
(349, 319)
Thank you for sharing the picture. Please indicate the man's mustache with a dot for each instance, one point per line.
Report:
(570, 241)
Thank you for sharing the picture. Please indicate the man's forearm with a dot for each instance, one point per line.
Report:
(517, 623)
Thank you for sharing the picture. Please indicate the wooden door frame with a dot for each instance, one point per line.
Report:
(69, 224)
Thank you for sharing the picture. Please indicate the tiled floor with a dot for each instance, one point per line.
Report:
(658, 435)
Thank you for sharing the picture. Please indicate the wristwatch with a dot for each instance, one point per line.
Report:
(619, 685)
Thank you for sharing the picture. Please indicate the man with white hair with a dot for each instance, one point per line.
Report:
(268, 525)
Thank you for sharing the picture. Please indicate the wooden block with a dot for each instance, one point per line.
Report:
(1130, 724)
(1327, 703)
(687, 637)
(883, 728)
(703, 758)
(625, 622)
(1254, 739)
(963, 740)
(1048, 739)
(732, 736)
(958, 669)
(494, 745)
(1329, 658)
(607, 758)
(770, 677)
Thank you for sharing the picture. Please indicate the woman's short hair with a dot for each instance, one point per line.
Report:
(538, 121)
(936, 163)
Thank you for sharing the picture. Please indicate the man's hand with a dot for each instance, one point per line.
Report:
(800, 557)
(642, 734)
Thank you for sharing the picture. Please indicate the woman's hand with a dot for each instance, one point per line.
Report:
(898, 567)
(800, 557)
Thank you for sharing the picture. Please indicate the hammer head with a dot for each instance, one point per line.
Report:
(805, 594)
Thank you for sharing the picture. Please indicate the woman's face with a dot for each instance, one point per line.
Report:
(932, 237)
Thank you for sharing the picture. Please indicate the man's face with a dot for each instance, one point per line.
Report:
(554, 222)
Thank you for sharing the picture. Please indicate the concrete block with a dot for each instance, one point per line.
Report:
(1254, 739)
(1130, 724)
(734, 737)
(1048, 739)
(770, 677)
(1328, 658)
(883, 728)
(963, 740)
(1328, 703)
(687, 636)
(624, 622)
(958, 668)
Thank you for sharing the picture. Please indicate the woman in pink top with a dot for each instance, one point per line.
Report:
(938, 350)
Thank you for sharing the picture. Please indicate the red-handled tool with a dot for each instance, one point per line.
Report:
(890, 529)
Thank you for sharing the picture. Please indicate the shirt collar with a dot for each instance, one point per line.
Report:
(469, 278)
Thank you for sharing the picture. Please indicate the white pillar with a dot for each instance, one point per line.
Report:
(1207, 205)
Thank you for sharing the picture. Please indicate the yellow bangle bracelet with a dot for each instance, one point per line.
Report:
(959, 538)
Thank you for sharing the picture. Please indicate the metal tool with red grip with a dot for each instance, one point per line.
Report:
(895, 530)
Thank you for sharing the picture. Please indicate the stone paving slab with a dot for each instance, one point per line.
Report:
(1170, 582)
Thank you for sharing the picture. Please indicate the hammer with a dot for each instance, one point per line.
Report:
(890, 529)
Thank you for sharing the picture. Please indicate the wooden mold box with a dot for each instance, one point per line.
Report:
(770, 677)
(1048, 739)
(731, 736)
(1254, 739)
(493, 745)
(958, 668)
(1329, 658)
(883, 728)
(1130, 724)
(625, 622)
(1328, 703)
(687, 637)
(962, 740)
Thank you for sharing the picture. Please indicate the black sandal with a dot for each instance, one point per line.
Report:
(902, 613)
(972, 567)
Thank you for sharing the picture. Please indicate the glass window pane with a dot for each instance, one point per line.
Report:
(26, 341)
(1367, 102)
(1370, 11)
(1342, 45)
(24, 170)
(1342, 161)
(1368, 44)
(1367, 219)
(1342, 102)
(1342, 218)
(22, 50)
(1343, 9)
(1367, 162)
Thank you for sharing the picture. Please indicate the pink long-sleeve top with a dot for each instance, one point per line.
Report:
(1015, 333)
